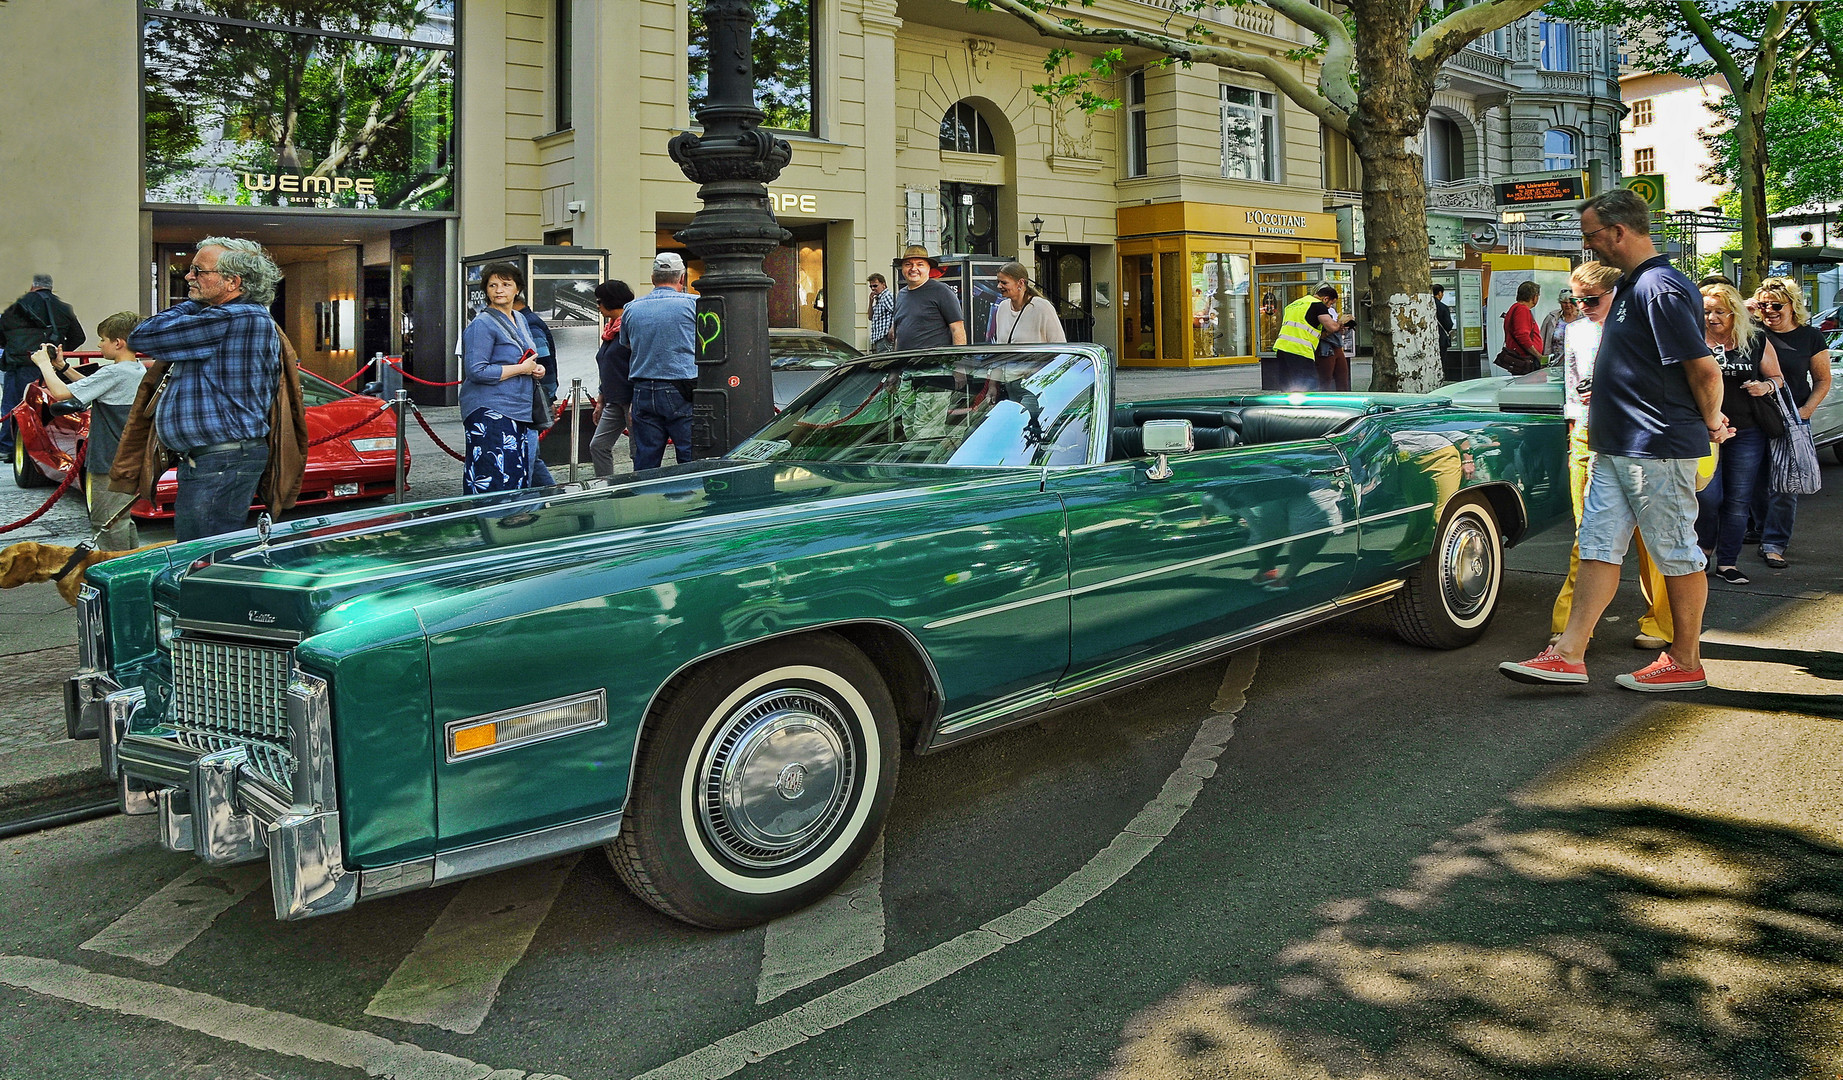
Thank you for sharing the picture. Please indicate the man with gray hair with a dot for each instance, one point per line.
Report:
(224, 366)
(35, 319)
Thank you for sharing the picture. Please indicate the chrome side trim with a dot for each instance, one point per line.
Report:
(1035, 706)
(934, 675)
(221, 834)
(401, 877)
(525, 848)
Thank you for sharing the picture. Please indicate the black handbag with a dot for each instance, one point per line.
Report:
(543, 407)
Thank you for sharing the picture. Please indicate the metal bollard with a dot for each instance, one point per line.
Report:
(402, 405)
(575, 425)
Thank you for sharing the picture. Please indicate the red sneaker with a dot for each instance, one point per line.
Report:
(1661, 675)
(1547, 667)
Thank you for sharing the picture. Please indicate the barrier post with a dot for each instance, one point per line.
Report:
(575, 426)
(388, 375)
(402, 405)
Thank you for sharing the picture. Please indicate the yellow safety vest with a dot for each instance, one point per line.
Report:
(1297, 335)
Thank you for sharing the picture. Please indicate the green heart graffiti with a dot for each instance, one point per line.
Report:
(714, 323)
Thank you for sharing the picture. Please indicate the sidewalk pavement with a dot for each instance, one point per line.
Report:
(42, 771)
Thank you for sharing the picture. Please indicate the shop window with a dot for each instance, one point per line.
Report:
(1135, 124)
(964, 130)
(1219, 299)
(1250, 134)
(1445, 151)
(1138, 307)
(1557, 45)
(1644, 160)
(1173, 302)
(969, 219)
(1641, 112)
(1558, 149)
(291, 113)
(786, 41)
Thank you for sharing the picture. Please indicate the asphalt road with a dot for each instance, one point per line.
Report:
(1334, 856)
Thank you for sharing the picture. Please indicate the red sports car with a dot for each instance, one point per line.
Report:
(360, 464)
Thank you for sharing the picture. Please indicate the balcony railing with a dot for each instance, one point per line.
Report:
(1480, 63)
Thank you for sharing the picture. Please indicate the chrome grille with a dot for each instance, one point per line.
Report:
(235, 696)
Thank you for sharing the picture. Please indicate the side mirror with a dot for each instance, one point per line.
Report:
(1161, 437)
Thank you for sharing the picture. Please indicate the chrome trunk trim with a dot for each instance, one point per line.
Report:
(525, 848)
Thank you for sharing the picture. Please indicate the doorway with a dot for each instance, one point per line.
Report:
(1066, 274)
(969, 219)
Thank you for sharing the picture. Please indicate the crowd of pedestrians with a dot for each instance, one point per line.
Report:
(1666, 387)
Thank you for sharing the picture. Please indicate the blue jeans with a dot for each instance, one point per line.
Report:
(215, 490)
(1722, 520)
(1774, 512)
(15, 392)
(540, 472)
(659, 412)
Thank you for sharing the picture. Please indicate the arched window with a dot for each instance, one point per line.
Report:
(963, 129)
(1445, 150)
(1558, 149)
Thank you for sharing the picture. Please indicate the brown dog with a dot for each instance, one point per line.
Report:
(29, 561)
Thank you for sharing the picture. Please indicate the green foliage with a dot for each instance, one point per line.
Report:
(783, 61)
(1804, 141)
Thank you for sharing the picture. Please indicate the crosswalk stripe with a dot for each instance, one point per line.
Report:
(830, 936)
(449, 980)
(247, 1025)
(169, 920)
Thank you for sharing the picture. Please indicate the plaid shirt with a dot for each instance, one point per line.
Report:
(882, 318)
(227, 363)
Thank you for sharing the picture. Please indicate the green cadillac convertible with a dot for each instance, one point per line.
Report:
(714, 670)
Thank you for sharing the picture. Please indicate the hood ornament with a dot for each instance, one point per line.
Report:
(263, 526)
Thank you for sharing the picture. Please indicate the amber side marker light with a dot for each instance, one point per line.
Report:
(508, 729)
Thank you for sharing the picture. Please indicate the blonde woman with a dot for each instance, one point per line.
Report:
(1024, 316)
(1804, 363)
(1592, 285)
(1749, 369)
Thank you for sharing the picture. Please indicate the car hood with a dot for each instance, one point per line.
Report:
(331, 572)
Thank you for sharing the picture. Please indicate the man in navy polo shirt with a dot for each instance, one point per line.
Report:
(1654, 410)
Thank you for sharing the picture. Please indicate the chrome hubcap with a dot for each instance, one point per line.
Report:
(1467, 560)
(776, 778)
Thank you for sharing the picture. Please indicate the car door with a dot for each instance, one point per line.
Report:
(1234, 539)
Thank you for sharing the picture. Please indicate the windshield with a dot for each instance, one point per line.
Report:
(1002, 408)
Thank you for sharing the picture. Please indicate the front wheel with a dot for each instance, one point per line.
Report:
(1450, 598)
(760, 783)
(26, 473)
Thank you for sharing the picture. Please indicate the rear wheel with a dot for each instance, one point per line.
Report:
(1451, 597)
(760, 783)
(25, 471)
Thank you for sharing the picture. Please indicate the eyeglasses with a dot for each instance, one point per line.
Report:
(1768, 305)
(199, 271)
(1590, 300)
(1596, 232)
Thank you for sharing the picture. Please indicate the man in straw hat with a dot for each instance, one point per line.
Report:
(927, 312)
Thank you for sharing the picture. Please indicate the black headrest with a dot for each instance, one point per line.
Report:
(1285, 423)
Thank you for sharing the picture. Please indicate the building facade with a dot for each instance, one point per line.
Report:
(374, 158)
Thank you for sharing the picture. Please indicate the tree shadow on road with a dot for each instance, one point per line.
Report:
(1537, 943)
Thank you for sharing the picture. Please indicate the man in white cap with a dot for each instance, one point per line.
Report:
(927, 311)
(660, 329)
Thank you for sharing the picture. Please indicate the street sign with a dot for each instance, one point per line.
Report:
(1649, 186)
(1542, 189)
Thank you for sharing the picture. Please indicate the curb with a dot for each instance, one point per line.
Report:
(47, 779)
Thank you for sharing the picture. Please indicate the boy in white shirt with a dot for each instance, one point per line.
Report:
(109, 392)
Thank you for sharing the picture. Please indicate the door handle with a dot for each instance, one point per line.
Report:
(1328, 472)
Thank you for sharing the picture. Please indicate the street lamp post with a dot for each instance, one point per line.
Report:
(732, 161)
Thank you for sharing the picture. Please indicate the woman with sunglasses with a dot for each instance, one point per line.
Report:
(1592, 285)
(1804, 361)
(1749, 369)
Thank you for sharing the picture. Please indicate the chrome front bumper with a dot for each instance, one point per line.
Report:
(218, 806)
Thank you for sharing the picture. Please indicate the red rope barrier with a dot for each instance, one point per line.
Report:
(347, 385)
(424, 382)
(76, 469)
(386, 407)
(433, 437)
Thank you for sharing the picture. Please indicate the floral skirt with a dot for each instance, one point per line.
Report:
(496, 455)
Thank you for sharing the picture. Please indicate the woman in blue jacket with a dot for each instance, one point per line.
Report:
(499, 361)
